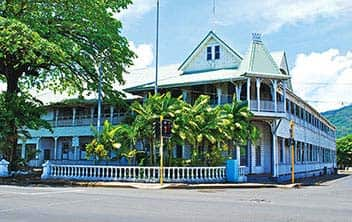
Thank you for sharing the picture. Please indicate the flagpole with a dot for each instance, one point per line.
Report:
(156, 48)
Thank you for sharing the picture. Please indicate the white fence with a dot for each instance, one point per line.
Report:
(134, 173)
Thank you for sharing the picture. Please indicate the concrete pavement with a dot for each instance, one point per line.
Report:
(332, 201)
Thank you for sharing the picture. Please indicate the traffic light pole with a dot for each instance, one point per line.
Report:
(161, 170)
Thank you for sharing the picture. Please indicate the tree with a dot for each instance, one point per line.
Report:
(344, 151)
(104, 143)
(57, 45)
(25, 112)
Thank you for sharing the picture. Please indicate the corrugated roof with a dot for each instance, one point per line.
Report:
(193, 79)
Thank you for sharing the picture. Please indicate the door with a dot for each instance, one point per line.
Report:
(47, 154)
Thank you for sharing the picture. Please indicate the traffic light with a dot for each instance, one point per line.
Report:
(156, 129)
(166, 128)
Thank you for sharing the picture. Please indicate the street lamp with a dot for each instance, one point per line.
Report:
(99, 70)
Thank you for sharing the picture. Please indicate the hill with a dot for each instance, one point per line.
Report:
(342, 119)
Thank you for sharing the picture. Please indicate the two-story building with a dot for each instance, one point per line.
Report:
(215, 69)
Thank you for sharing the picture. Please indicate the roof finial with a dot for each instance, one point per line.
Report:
(257, 37)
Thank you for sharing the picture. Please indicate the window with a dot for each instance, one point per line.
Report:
(178, 151)
(209, 55)
(258, 156)
(217, 52)
(298, 151)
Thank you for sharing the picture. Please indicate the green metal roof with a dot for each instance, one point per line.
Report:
(259, 61)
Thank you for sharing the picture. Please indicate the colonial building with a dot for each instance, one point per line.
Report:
(213, 68)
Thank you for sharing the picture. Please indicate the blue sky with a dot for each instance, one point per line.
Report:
(316, 35)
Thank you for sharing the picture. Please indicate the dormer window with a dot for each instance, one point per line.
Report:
(217, 52)
(209, 54)
(213, 52)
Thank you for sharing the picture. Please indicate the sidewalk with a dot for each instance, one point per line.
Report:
(36, 181)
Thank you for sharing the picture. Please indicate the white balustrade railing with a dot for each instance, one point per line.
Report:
(267, 106)
(134, 173)
(242, 173)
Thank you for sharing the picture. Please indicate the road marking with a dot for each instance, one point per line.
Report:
(41, 193)
(34, 190)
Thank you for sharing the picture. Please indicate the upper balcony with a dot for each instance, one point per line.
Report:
(71, 117)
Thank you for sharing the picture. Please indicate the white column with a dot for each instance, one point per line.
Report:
(275, 156)
(283, 150)
(284, 94)
(249, 93)
(238, 155)
(23, 150)
(275, 96)
(219, 93)
(56, 117)
(111, 113)
(73, 116)
(37, 148)
(55, 148)
(184, 95)
(258, 80)
(75, 145)
(238, 88)
(253, 159)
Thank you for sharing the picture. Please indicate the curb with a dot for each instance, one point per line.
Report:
(154, 186)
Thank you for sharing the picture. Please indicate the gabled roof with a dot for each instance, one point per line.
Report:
(259, 62)
(210, 35)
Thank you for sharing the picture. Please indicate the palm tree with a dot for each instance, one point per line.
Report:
(242, 129)
(150, 111)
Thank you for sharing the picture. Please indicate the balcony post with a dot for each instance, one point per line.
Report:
(284, 94)
(219, 93)
(249, 92)
(184, 95)
(274, 92)
(56, 117)
(73, 116)
(111, 114)
(258, 80)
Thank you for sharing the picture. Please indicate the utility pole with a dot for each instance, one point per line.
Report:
(292, 143)
(156, 48)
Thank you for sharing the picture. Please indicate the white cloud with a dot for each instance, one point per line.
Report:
(270, 16)
(136, 10)
(144, 55)
(324, 79)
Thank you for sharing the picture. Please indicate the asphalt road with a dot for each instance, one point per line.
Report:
(330, 202)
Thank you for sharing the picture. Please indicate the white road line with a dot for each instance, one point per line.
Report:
(41, 193)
